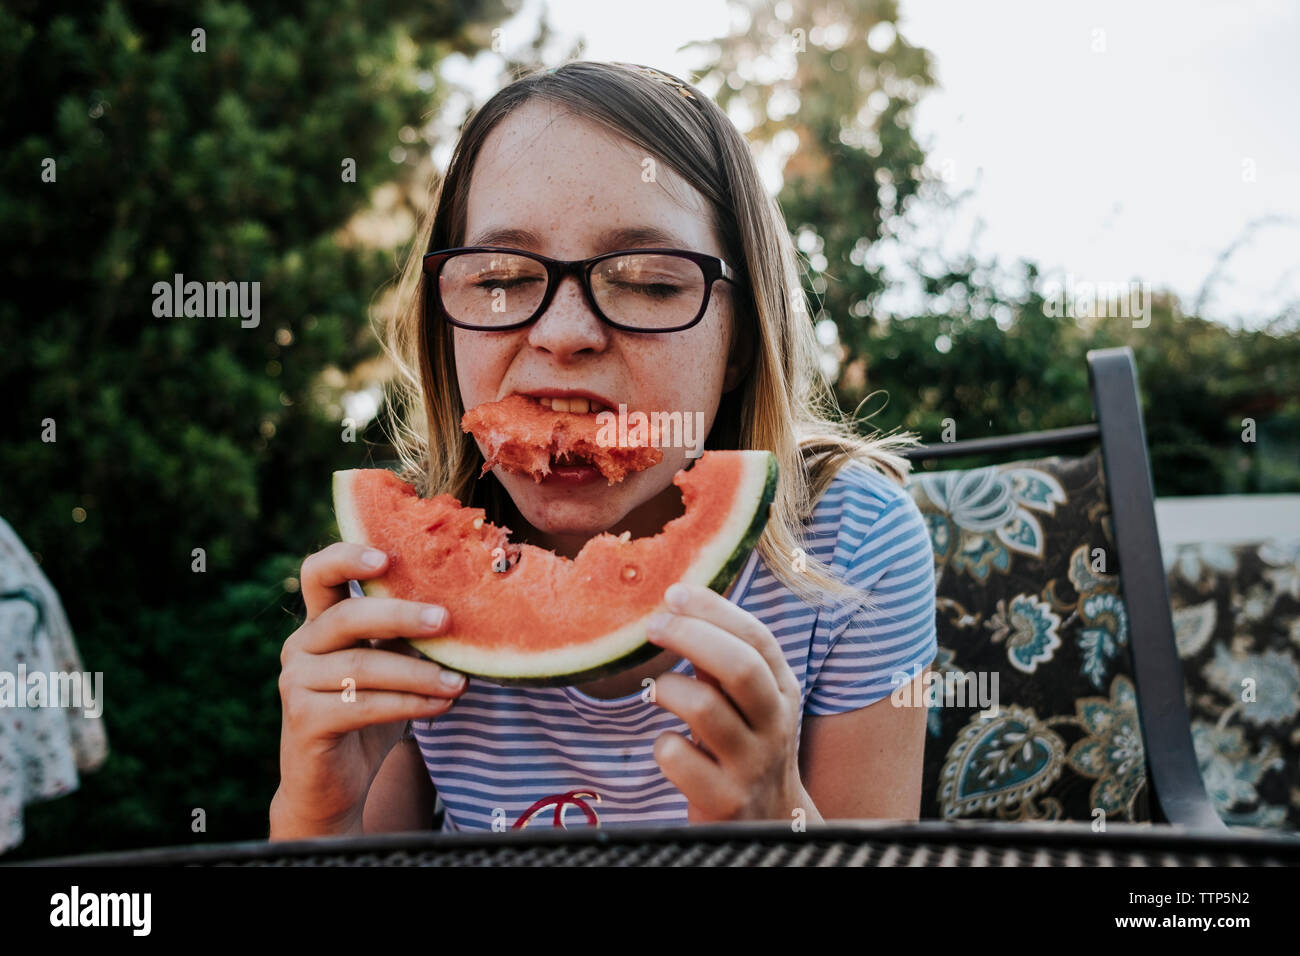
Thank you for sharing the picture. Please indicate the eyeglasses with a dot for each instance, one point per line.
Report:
(490, 289)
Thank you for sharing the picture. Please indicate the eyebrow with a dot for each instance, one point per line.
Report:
(624, 237)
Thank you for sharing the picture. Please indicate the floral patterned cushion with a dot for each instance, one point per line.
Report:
(1029, 612)
(1237, 625)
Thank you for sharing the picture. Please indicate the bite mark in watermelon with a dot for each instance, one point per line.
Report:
(524, 437)
(548, 620)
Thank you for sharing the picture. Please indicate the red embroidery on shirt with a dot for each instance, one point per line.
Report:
(578, 798)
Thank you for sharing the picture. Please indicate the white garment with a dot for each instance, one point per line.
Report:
(42, 747)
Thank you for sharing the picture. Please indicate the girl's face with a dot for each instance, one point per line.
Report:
(566, 188)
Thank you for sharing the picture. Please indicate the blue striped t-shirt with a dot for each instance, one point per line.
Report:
(512, 753)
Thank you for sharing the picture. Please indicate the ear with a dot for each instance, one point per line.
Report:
(740, 359)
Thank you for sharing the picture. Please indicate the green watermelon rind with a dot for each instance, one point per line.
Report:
(736, 563)
(350, 529)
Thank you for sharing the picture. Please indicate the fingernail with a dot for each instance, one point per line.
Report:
(372, 558)
(432, 617)
(452, 679)
(676, 596)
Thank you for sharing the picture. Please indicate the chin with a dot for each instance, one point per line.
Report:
(561, 522)
(567, 511)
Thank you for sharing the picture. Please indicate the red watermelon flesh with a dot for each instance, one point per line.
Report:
(525, 437)
(520, 614)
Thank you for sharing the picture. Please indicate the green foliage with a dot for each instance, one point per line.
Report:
(183, 433)
(857, 163)
(193, 716)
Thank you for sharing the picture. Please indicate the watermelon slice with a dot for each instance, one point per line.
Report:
(523, 436)
(523, 615)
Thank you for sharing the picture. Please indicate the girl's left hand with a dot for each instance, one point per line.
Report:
(743, 712)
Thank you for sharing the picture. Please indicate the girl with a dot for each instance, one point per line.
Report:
(771, 702)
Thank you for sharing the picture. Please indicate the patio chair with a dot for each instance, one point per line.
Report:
(1050, 582)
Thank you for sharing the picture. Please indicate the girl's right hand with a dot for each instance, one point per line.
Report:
(345, 698)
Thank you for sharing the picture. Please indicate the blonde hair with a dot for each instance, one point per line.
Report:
(783, 403)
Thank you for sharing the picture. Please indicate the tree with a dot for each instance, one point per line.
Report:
(832, 87)
(190, 468)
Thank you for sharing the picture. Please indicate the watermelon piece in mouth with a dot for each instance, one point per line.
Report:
(520, 614)
(525, 437)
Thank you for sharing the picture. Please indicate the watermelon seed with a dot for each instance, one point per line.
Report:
(630, 573)
(625, 537)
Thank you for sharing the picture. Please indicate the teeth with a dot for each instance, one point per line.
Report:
(578, 405)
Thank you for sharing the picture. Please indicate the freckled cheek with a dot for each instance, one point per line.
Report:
(481, 365)
(688, 374)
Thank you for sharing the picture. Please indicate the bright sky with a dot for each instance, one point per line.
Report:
(1110, 140)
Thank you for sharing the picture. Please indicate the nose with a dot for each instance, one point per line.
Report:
(569, 327)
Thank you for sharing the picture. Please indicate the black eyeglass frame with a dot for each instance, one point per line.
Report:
(557, 270)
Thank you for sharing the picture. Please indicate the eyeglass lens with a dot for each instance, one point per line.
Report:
(640, 290)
